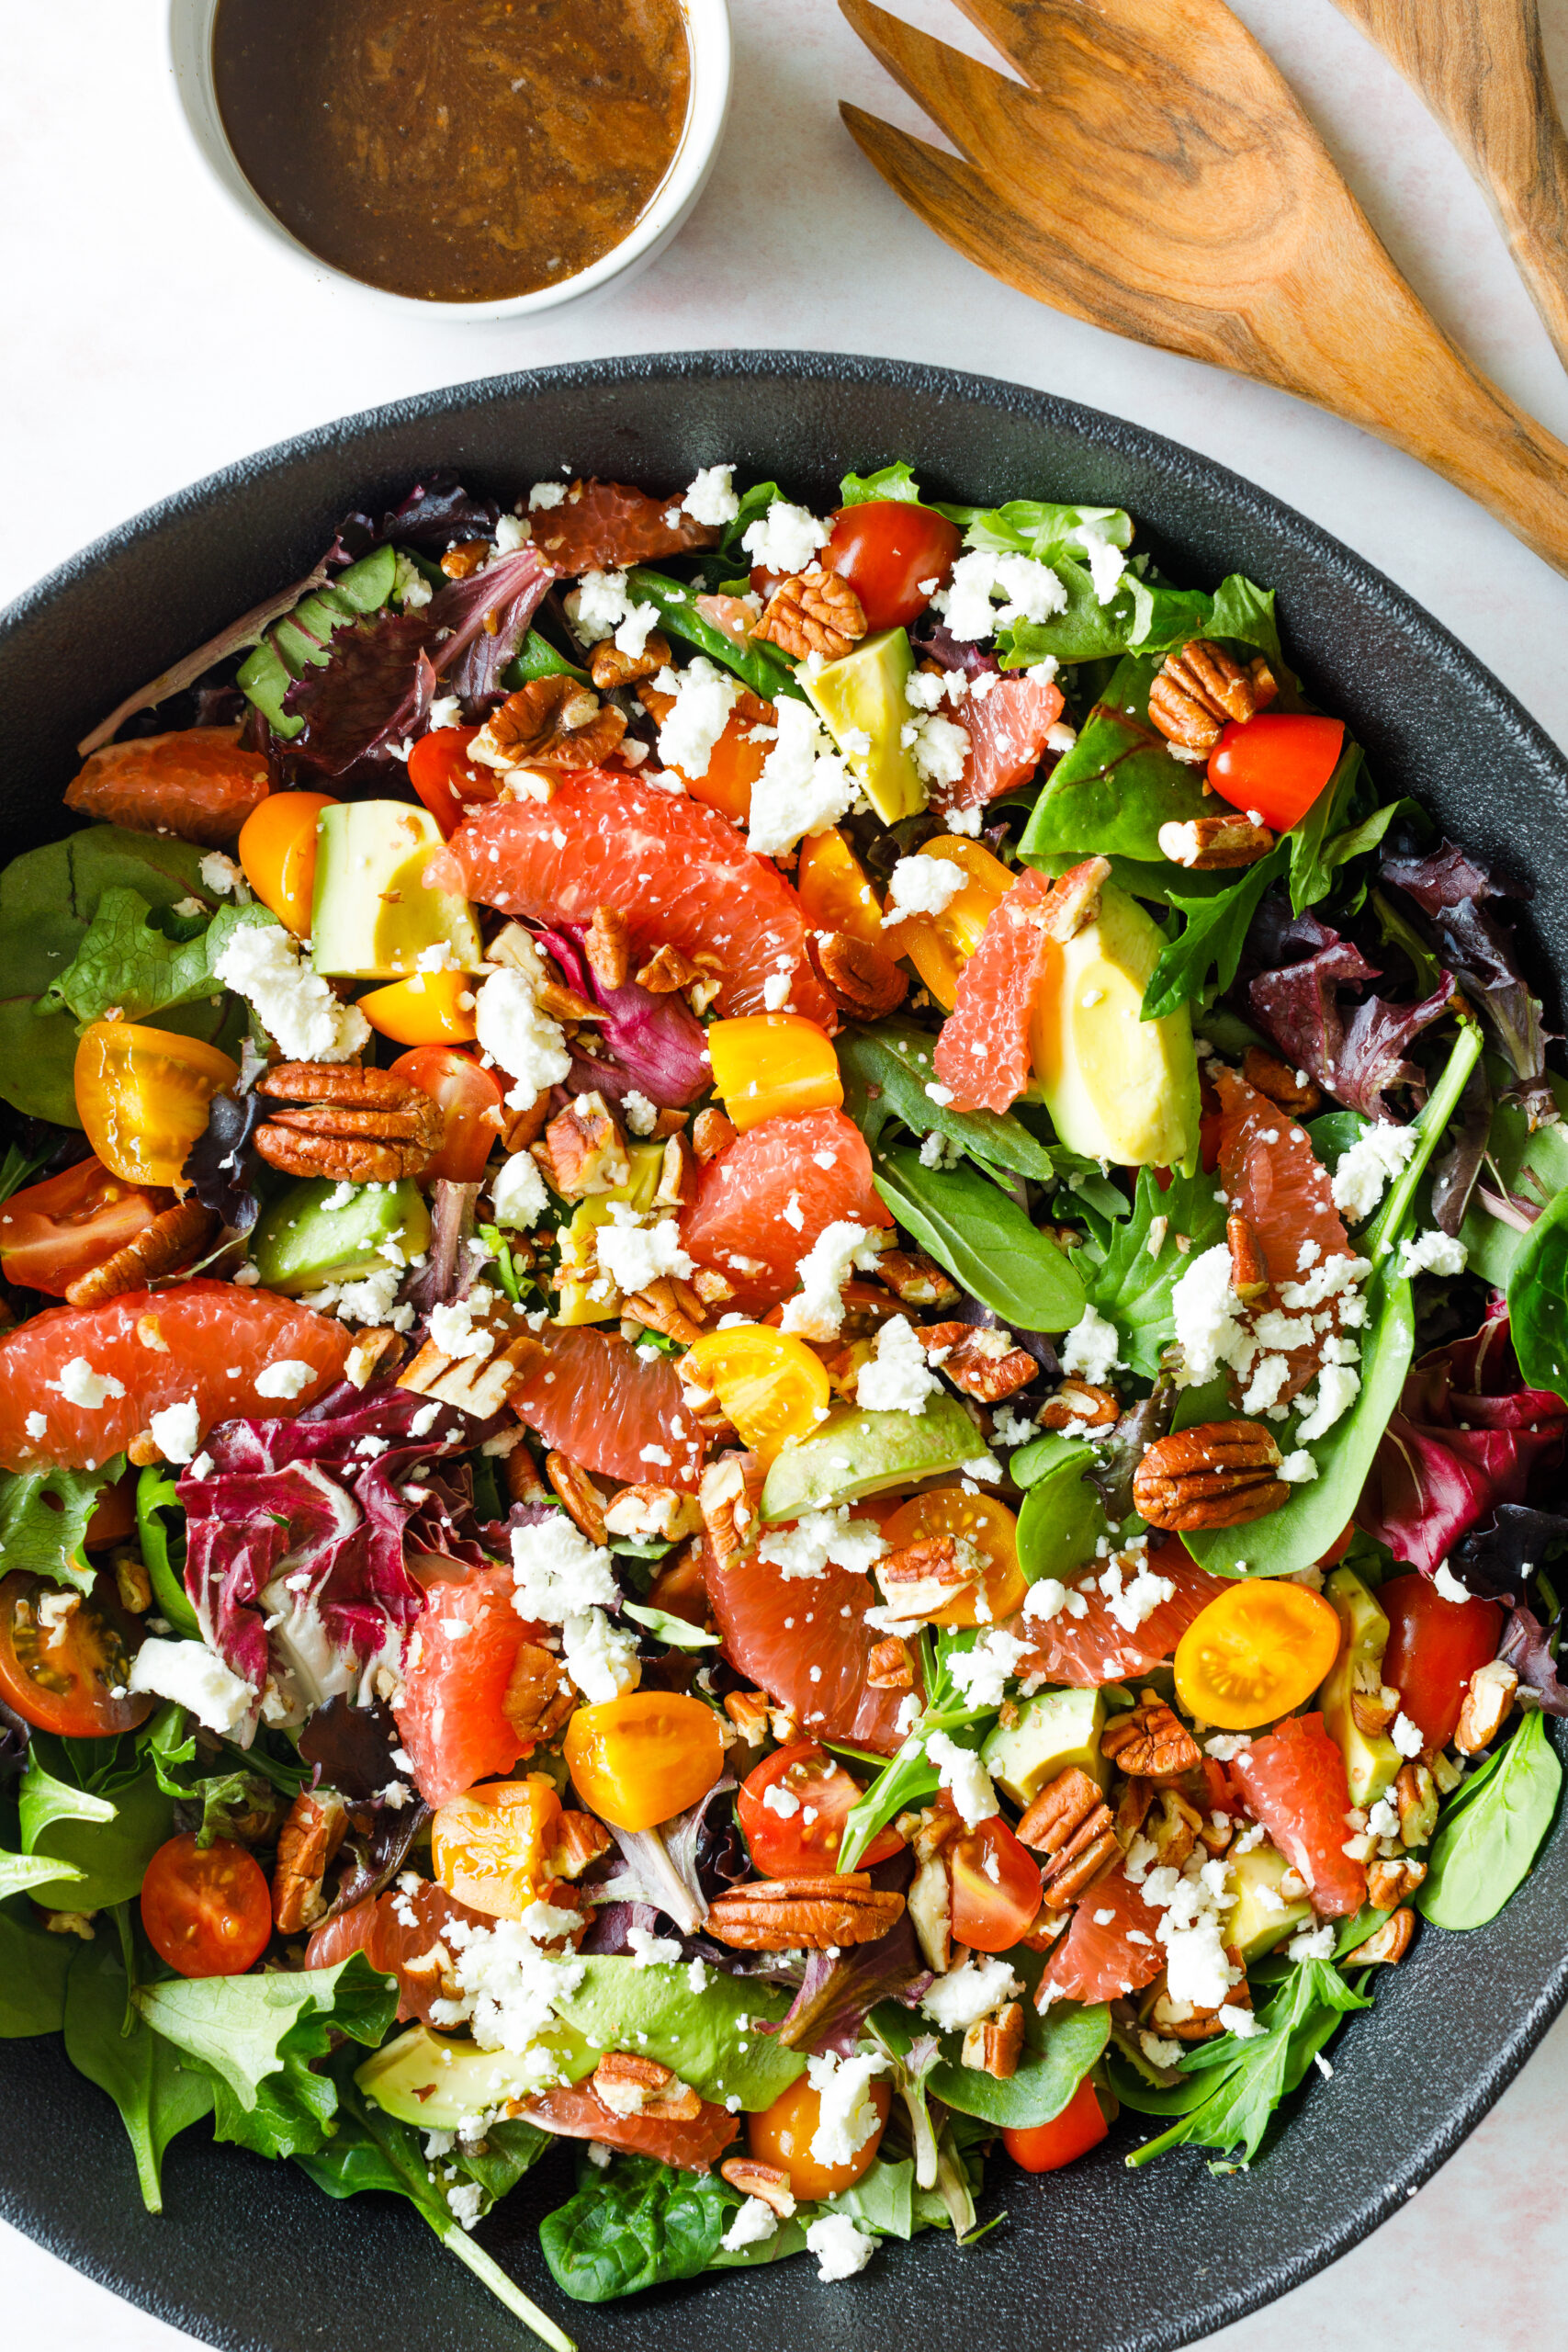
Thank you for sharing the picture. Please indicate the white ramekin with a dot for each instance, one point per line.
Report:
(707, 31)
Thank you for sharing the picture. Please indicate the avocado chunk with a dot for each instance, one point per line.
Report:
(435, 2080)
(1117, 1087)
(373, 914)
(862, 695)
(1371, 1760)
(856, 1452)
(311, 1235)
(1260, 1915)
(1055, 1729)
(583, 1295)
(301, 642)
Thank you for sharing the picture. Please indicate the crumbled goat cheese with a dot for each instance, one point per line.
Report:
(188, 1673)
(1297, 1469)
(1313, 1943)
(1106, 564)
(964, 1776)
(294, 1004)
(454, 1332)
(823, 1539)
(507, 1987)
(777, 991)
(754, 2221)
(37, 1426)
(897, 1379)
(411, 588)
(546, 495)
(368, 1301)
(1406, 1736)
(923, 885)
(819, 1312)
(840, 2248)
(1206, 1310)
(968, 1994)
(1366, 1169)
(785, 539)
(1337, 1389)
(287, 1378)
(1192, 1905)
(517, 1034)
(600, 1658)
(641, 1115)
(711, 499)
(465, 2199)
(847, 2117)
(1444, 1582)
(704, 696)
(648, 1950)
(940, 748)
(176, 1431)
(805, 785)
(1093, 1348)
(518, 1197)
(1008, 1427)
(981, 1674)
(1132, 1603)
(777, 1799)
(1432, 1253)
(222, 876)
(82, 1387)
(559, 1573)
(1032, 590)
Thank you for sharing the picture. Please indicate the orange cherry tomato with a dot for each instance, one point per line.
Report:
(427, 1008)
(894, 554)
(1275, 766)
(978, 1519)
(446, 779)
(637, 1759)
(488, 1847)
(771, 1384)
(793, 1809)
(142, 1096)
(1434, 1647)
(1046, 2147)
(61, 1656)
(768, 1063)
(782, 2135)
(470, 1097)
(53, 1232)
(940, 946)
(1256, 1652)
(734, 763)
(207, 1913)
(833, 888)
(996, 1888)
(277, 855)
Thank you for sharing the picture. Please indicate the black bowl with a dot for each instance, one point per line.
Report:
(248, 2254)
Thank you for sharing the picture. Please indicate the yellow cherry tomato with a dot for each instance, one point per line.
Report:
(142, 1096)
(764, 1063)
(940, 946)
(488, 1847)
(979, 1519)
(833, 889)
(427, 1008)
(772, 1384)
(277, 855)
(782, 2135)
(1256, 1651)
(637, 1759)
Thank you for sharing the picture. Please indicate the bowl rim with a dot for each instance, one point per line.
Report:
(710, 47)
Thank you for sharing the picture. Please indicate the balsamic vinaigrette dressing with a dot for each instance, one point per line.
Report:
(461, 151)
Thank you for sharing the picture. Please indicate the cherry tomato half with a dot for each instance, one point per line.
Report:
(793, 1809)
(1046, 2147)
(445, 778)
(207, 1913)
(1256, 1652)
(895, 556)
(782, 2134)
(142, 1096)
(637, 1759)
(53, 1232)
(996, 1888)
(978, 1519)
(63, 1655)
(427, 1008)
(771, 1384)
(1275, 765)
(470, 1097)
(1434, 1647)
(488, 1847)
(834, 892)
(277, 855)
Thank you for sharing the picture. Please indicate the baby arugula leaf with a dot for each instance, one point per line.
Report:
(1130, 1282)
(1206, 955)
(157, 2093)
(984, 1239)
(886, 1069)
(1491, 1835)
(1240, 2084)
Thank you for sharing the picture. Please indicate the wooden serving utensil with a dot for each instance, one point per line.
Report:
(1156, 178)
(1478, 65)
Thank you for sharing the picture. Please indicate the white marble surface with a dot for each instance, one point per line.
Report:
(149, 338)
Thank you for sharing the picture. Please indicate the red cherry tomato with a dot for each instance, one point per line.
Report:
(208, 1914)
(798, 1835)
(1434, 1647)
(1274, 766)
(53, 1232)
(894, 555)
(63, 1658)
(996, 1888)
(471, 1096)
(445, 778)
(1046, 2147)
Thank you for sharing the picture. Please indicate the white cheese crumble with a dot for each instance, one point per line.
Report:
(704, 696)
(970, 1992)
(287, 1378)
(1337, 1389)
(518, 1197)
(754, 2221)
(964, 1776)
(190, 1674)
(1032, 590)
(923, 885)
(82, 1387)
(940, 748)
(897, 1379)
(176, 1431)
(1093, 1348)
(818, 1311)
(805, 785)
(982, 1673)
(634, 1254)
(1367, 1168)
(295, 1005)
(711, 499)
(1206, 1310)
(519, 1035)
(507, 1987)
(559, 1574)
(640, 1114)
(600, 1658)
(840, 2248)
(823, 1539)
(1432, 1253)
(847, 2117)
(649, 1950)
(785, 539)
(454, 1332)
(546, 495)
(1406, 1736)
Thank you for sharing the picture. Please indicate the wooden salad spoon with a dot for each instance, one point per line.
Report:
(1156, 178)
(1478, 65)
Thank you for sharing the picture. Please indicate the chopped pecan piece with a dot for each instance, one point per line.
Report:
(460, 562)
(133, 1583)
(803, 1913)
(1416, 1794)
(1250, 1267)
(1080, 1405)
(520, 1127)
(666, 970)
(306, 1844)
(653, 1514)
(677, 1174)
(993, 2045)
(609, 667)
(1373, 1702)
(1174, 1827)
(584, 1149)
(711, 1133)
(752, 2178)
(176, 1236)
(1389, 1883)
(1291, 1089)
(748, 1710)
(660, 1308)
(538, 1698)
(524, 1483)
(577, 1494)
(982, 1361)
(1200, 686)
(575, 1840)
(730, 1498)
(813, 612)
(888, 1666)
(549, 723)
(925, 1577)
(373, 1353)
(1151, 1743)
(1182, 2021)
(711, 1288)
(608, 948)
(1210, 845)
(361, 1126)
(628, 2084)
(1485, 1708)
(861, 978)
(916, 1280)
(1069, 1822)
(1220, 1474)
(1386, 1946)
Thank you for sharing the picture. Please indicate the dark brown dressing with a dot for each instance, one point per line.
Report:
(461, 151)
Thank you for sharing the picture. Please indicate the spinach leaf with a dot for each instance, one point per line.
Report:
(538, 658)
(758, 666)
(1058, 2051)
(886, 1069)
(984, 1239)
(44, 1515)
(1538, 1301)
(156, 1493)
(1145, 615)
(33, 1968)
(1131, 1284)
(21, 1164)
(1120, 782)
(69, 876)
(888, 482)
(619, 2006)
(1236, 2086)
(635, 2224)
(1484, 1848)
(102, 1844)
(38, 1057)
(1043, 1457)
(256, 2036)
(1524, 1170)
(1063, 1516)
(128, 958)
(157, 2094)
(1206, 955)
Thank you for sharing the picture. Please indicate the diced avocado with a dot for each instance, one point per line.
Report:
(308, 1237)
(856, 1452)
(435, 2080)
(1371, 1760)
(1055, 1729)
(862, 695)
(578, 1286)
(299, 641)
(1117, 1087)
(1254, 1923)
(374, 914)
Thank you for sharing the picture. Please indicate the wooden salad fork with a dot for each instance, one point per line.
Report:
(1156, 177)
(1478, 65)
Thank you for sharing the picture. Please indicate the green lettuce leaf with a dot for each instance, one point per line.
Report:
(44, 1514)
(1120, 782)
(158, 2095)
(1232, 2087)
(1130, 1283)
(146, 960)
(619, 2006)
(890, 481)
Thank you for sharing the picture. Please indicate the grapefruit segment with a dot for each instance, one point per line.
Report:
(805, 1641)
(1273, 1178)
(576, 2112)
(1085, 1651)
(982, 1054)
(604, 525)
(762, 1202)
(458, 1661)
(593, 1397)
(1296, 1783)
(391, 1930)
(680, 874)
(1096, 1960)
(197, 784)
(1007, 734)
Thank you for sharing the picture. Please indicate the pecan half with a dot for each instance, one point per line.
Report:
(1389, 1883)
(1292, 1091)
(1070, 1823)
(524, 1483)
(861, 978)
(628, 2084)
(584, 1150)
(362, 1126)
(730, 1498)
(993, 2045)
(982, 1361)
(608, 948)
(1485, 1708)
(916, 1280)
(1150, 1743)
(1373, 1703)
(609, 667)
(577, 1494)
(887, 1668)
(306, 1844)
(575, 1840)
(538, 1697)
(1386, 1946)
(812, 612)
(1210, 844)
(175, 1237)
(549, 723)
(666, 970)
(659, 1309)
(803, 1913)
(1080, 1405)
(1073, 900)
(925, 1577)
(1220, 1474)
(520, 1127)
(1200, 686)
(752, 2178)
(1250, 1267)
(653, 1514)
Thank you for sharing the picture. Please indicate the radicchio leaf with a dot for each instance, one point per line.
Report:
(655, 1045)
(375, 691)
(433, 516)
(368, 1861)
(937, 643)
(1355, 1054)
(351, 1747)
(488, 617)
(1122, 1448)
(1451, 889)
(838, 1994)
